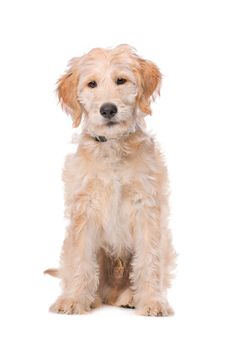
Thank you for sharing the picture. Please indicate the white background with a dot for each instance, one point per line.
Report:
(191, 42)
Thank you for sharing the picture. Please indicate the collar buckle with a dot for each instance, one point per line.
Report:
(100, 138)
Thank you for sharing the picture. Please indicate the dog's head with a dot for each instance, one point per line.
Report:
(110, 88)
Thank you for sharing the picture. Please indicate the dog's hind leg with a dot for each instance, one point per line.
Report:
(125, 299)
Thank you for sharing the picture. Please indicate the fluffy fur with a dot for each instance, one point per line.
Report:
(118, 246)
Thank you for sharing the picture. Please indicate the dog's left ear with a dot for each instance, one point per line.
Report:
(67, 93)
(149, 84)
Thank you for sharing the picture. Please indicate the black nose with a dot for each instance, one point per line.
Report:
(108, 110)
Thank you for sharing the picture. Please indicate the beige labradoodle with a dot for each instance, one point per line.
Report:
(118, 246)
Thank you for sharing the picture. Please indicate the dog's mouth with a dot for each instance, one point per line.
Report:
(111, 123)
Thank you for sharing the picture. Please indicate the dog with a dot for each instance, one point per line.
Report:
(118, 248)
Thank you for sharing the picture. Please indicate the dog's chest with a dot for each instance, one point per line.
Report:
(111, 182)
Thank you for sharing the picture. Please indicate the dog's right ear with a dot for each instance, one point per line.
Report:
(67, 93)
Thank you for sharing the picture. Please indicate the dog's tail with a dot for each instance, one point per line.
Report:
(52, 272)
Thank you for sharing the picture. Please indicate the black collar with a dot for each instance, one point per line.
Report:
(100, 138)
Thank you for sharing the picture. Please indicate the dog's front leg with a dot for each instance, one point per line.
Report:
(79, 269)
(147, 265)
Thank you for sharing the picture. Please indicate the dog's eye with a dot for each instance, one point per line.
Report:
(92, 84)
(121, 81)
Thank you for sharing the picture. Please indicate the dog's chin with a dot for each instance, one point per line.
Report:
(111, 129)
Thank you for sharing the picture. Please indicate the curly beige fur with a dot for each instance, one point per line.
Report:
(118, 246)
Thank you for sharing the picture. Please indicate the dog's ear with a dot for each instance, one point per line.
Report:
(67, 93)
(149, 84)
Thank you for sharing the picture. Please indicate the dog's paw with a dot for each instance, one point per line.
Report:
(96, 303)
(155, 308)
(69, 306)
(126, 300)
